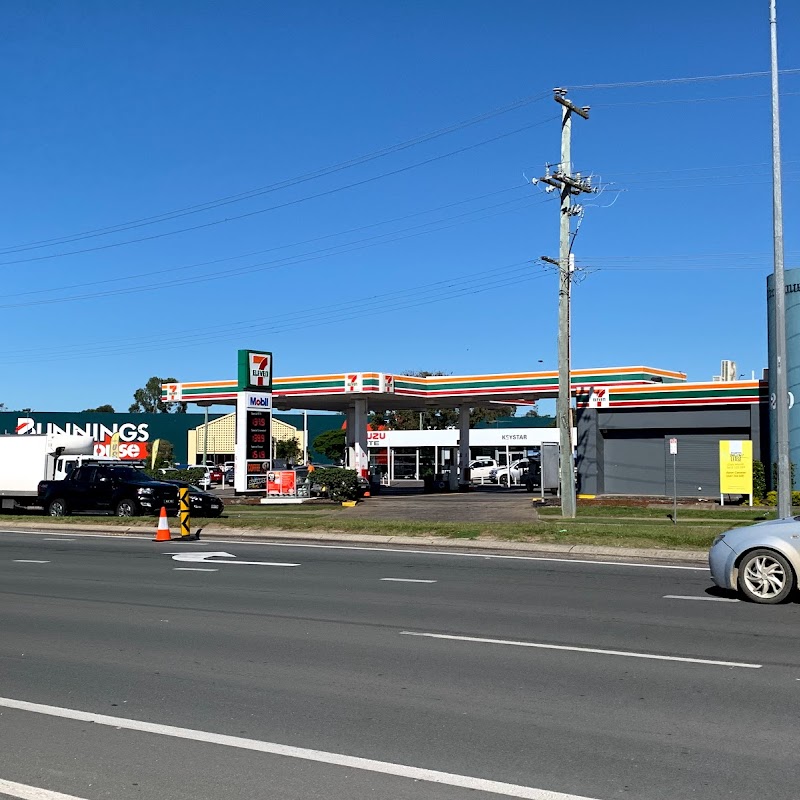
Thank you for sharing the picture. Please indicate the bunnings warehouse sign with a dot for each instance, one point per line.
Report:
(136, 431)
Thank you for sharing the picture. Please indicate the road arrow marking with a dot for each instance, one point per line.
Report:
(216, 558)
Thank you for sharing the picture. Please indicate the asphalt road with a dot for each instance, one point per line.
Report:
(125, 673)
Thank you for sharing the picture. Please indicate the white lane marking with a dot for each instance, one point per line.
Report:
(214, 558)
(59, 539)
(692, 597)
(541, 646)
(29, 561)
(401, 550)
(25, 792)
(194, 569)
(407, 580)
(321, 756)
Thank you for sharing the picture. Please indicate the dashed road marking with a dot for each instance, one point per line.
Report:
(693, 597)
(574, 649)
(25, 792)
(193, 569)
(272, 748)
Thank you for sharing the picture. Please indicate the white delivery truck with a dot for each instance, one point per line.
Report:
(26, 459)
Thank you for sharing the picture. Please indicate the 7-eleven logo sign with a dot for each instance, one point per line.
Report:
(353, 382)
(173, 392)
(388, 383)
(599, 398)
(260, 369)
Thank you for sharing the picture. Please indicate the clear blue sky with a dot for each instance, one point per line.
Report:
(120, 112)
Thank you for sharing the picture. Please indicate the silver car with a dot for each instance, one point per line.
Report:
(761, 561)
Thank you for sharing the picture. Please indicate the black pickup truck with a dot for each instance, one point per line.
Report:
(122, 490)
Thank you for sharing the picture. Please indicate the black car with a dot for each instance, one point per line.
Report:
(201, 504)
(122, 490)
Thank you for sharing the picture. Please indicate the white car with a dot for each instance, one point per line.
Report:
(481, 469)
(517, 468)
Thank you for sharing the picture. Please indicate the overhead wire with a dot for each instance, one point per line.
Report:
(224, 259)
(289, 182)
(294, 260)
(688, 79)
(287, 203)
(457, 286)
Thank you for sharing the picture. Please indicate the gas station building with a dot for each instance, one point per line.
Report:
(624, 419)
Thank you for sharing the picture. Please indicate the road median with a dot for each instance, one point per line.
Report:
(506, 538)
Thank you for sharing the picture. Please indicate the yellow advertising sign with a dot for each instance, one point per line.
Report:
(113, 450)
(736, 467)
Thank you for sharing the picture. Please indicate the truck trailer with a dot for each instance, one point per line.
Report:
(27, 459)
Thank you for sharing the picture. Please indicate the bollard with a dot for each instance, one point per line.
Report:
(186, 528)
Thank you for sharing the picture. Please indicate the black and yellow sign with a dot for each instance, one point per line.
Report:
(183, 512)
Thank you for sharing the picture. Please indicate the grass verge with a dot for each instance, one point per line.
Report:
(620, 529)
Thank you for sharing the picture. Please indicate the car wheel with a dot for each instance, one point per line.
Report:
(502, 480)
(528, 487)
(127, 508)
(58, 508)
(765, 576)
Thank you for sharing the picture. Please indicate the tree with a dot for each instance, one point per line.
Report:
(106, 409)
(166, 453)
(533, 412)
(331, 444)
(287, 449)
(148, 399)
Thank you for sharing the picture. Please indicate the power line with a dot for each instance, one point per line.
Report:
(288, 261)
(689, 79)
(288, 203)
(289, 182)
(365, 307)
(214, 262)
(689, 100)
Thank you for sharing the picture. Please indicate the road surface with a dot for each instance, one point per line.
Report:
(359, 672)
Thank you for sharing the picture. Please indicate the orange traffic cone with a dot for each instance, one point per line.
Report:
(162, 531)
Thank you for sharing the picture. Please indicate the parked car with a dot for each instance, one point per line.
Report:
(517, 469)
(201, 504)
(761, 561)
(481, 469)
(211, 476)
(533, 477)
(228, 475)
(122, 490)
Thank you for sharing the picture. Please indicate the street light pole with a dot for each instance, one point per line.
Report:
(781, 379)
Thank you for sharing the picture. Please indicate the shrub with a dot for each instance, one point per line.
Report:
(772, 498)
(338, 484)
(189, 475)
(759, 481)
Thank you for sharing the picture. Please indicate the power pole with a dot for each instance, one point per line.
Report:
(568, 185)
(781, 378)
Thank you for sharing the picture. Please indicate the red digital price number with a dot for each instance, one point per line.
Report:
(258, 454)
(258, 438)
(258, 422)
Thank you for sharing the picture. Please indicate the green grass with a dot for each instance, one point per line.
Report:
(618, 527)
(733, 515)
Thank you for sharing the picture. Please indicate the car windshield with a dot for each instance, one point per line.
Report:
(130, 474)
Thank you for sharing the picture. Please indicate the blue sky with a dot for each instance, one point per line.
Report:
(423, 257)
